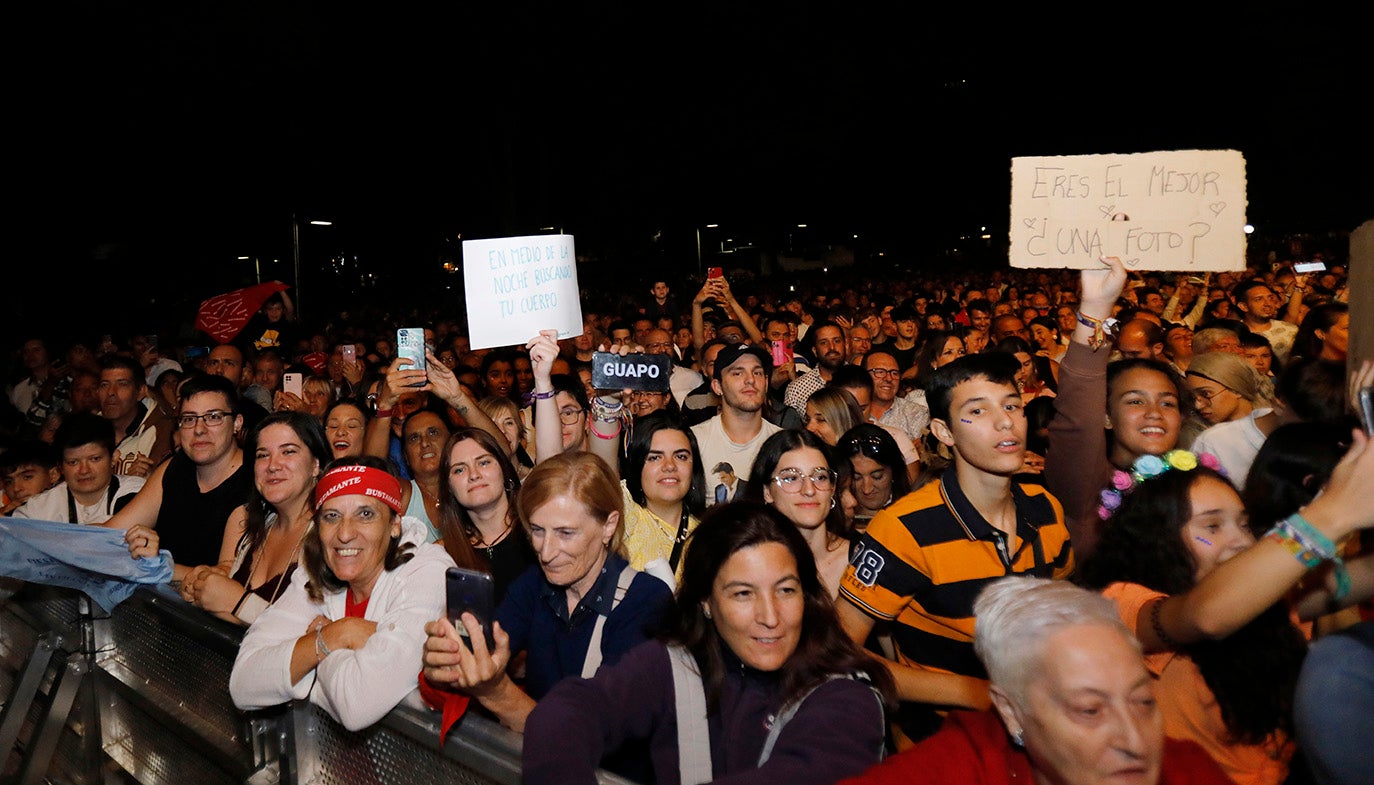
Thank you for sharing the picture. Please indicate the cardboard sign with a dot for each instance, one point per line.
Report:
(1177, 210)
(611, 371)
(517, 286)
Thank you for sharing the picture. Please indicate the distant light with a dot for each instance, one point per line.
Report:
(321, 223)
(801, 226)
(982, 228)
(880, 253)
(244, 258)
(825, 269)
(1249, 229)
(712, 226)
(987, 237)
(856, 237)
(546, 228)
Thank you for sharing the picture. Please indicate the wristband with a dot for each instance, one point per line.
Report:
(1100, 328)
(600, 435)
(383, 413)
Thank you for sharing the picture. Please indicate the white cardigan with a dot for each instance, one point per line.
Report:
(356, 687)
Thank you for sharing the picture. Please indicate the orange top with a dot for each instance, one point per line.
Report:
(1191, 711)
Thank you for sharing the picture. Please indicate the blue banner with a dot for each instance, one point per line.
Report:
(90, 559)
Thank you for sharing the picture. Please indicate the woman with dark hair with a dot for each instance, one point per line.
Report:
(349, 631)
(581, 607)
(1140, 400)
(477, 509)
(345, 424)
(877, 471)
(792, 473)
(1206, 599)
(1324, 333)
(941, 348)
(1045, 331)
(754, 649)
(263, 538)
(664, 485)
(1034, 377)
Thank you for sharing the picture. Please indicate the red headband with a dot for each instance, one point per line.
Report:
(360, 480)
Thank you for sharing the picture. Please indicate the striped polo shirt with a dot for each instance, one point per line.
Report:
(924, 559)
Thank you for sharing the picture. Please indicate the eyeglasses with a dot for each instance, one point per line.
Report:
(213, 419)
(871, 445)
(792, 480)
(569, 416)
(1208, 395)
(881, 372)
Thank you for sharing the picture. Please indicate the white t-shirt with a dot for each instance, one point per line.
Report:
(716, 447)
(1235, 444)
(51, 505)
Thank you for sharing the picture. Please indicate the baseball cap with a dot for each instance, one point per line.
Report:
(730, 354)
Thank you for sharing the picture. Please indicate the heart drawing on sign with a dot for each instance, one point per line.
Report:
(1217, 207)
(1133, 262)
(1106, 210)
(1029, 222)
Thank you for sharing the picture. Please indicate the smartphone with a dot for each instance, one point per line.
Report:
(410, 345)
(714, 272)
(1309, 267)
(782, 353)
(292, 383)
(471, 591)
(1366, 396)
(349, 352)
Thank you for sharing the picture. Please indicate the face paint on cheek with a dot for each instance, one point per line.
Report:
(1204, 541)
(968, 422)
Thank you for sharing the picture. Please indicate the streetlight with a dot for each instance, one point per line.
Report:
(296, 254)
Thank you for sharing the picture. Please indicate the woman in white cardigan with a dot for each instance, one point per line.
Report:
(349, 631)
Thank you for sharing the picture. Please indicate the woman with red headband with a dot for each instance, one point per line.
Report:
(350, 631)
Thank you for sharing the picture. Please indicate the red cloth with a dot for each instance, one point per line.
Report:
(453, 705)
(972, 748)
(316, 362)
(224, 316)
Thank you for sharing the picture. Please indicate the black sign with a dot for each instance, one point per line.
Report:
(612, 371)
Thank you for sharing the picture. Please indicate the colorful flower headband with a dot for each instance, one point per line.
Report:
(1147, 467)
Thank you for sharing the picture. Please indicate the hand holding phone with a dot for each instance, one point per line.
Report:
(293, 383)
(471, 591)
(410, 345)
(349, 353)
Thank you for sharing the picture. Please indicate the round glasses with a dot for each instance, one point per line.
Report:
(793, 480)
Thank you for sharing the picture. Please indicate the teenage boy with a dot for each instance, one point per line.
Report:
(90, 491)
(26, 469)
(735, 435)
(924, 559)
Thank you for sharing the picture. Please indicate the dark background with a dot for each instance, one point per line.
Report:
(159, 141)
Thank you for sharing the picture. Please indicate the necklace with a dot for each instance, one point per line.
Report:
(481, 541)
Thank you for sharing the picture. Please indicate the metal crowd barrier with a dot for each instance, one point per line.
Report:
(142, 695)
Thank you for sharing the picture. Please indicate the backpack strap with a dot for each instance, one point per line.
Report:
(592, 661)
(693, 734)
(790, 710)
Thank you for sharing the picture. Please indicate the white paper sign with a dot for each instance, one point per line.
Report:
(517, 286)
(1175, 210)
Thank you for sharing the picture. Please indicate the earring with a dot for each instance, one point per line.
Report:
(832, 502)
(707, 613)
(510, 484)
(1019, 738)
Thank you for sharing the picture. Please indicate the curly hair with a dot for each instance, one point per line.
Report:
(1252, 672)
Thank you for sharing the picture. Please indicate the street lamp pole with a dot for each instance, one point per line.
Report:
(296, 260)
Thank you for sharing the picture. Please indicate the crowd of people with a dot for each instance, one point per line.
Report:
(1074, 526)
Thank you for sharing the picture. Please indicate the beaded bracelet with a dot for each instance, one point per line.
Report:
(321, 648)
(605, 413)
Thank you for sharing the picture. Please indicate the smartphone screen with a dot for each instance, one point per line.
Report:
(471, 591)
(410, 345)
(349, 352)
(1309, 267)
(292, 383)
(714, 272)
(1366, 396)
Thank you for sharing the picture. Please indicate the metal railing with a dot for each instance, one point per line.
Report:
(145, 691)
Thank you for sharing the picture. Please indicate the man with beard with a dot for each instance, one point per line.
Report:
(735, 435)
(832, 352)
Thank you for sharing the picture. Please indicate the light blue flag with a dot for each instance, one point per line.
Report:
(90, 559)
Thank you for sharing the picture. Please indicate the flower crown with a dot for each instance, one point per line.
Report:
(1147, 467)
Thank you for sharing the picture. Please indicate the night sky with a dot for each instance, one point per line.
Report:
(161, 141)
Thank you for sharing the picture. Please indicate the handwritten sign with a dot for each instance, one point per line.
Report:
(1175, 210)
(517, 286)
